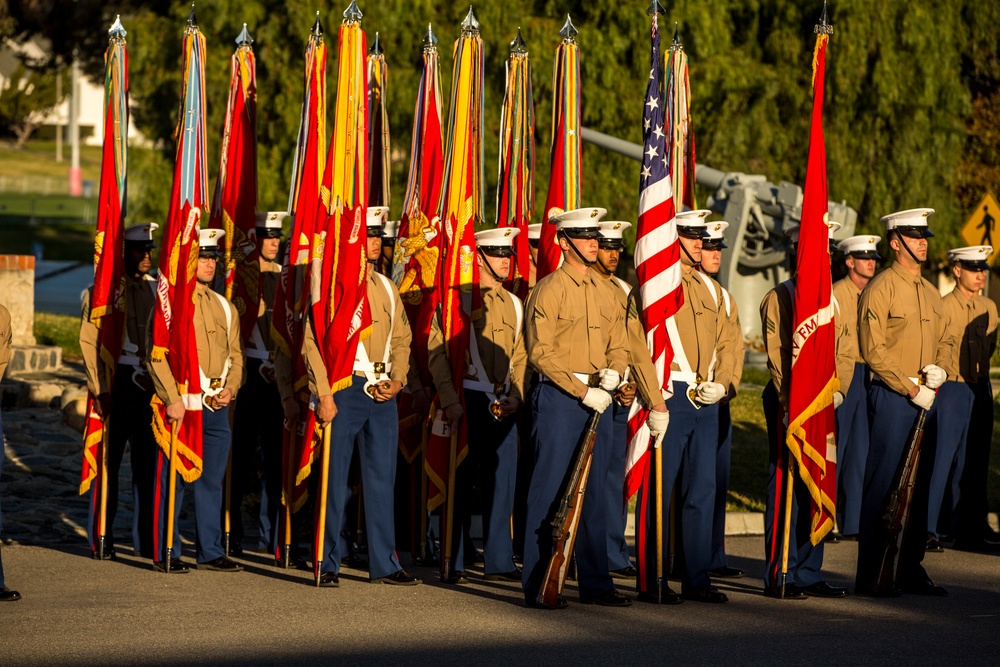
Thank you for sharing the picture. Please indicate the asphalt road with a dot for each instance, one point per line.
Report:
(79, 611)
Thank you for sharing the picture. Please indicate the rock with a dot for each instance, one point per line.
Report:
(75, 413)
(70, 394)
(44, 394)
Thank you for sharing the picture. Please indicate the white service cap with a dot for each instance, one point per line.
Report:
(141, 233)
(580, 222)
(862, 247)
(972, 257)
(911, 222)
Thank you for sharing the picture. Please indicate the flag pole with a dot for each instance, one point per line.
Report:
(324, 491)
(659, 523)
(171, 491)
(102, 530)
(286, 548)
(446, 538)
(787, 531)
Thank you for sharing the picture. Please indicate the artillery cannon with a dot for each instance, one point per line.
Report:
(758, 212)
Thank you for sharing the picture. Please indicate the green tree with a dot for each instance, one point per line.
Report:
(26, 97)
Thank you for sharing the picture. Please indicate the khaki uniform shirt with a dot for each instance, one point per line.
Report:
(848, 296)
(216, 341)
(901, 327)
(270, 273)
(500, 344)
(973, 325)
(140, 298)
(6, 340)
(776, 316)
(574, 325)
(375, 345)
(736, 332)
(708, 340)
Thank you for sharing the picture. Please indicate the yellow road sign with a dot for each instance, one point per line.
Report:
(983, 226)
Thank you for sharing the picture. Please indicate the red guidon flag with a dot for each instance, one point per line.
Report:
(173, 316)
(234, 205)
(420, 234)
(516, 184)
(107, 300)
(566, 151)
(291, 298)
(461, 208)
(340, 313)
(813, 381)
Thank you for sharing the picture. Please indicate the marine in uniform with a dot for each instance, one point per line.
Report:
(6, 339)
(971, 320)
(705, 350)
(903, 339)
(258, 419)
(711, 260)
(365, 414)
(493, 387)
(609, 249)
(860, 255)
(220, 357)
(576, 342)
(804, 560)
(126, 399)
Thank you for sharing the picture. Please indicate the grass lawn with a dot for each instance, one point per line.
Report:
(61, 330)
(38, 160)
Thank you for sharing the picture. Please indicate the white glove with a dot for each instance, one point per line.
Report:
(597, 400)
(657, 423)
(710, 392)
(924, 398)
(610, 379)
(934, 376)
(838, 399)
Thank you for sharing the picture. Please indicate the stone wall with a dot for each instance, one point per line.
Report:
(17, 293)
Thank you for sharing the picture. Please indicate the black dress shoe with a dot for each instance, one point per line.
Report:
(612, 598)
(221, 564)
(398, 578)
(726, 572)
(821, 589)
(934, 545)
(478, 556)
(982, 545)
(668, 596)
(560, 604)
(922, 586)
(628, 572)
(109, 554)
(832, 537)
(355, 562)
(457, 578)
(870, 591)
(295, 563)
(176, 566)
(709, 594)
(792, 592)
(429, 561)
(513, 575)
(7, 595)
(329, 580)
(236, 550)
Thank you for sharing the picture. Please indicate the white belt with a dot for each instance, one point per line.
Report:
(129, 360)
(367, 367)
(485, 387)
(683, 376)
(582, 377)
(876, 378)
(253, 353)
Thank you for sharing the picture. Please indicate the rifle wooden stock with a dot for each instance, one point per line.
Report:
(897, 507)
(567, 518)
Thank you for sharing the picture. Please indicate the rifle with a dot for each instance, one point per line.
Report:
(897, 508)
(568, 518)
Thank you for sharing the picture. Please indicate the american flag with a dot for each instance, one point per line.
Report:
(657, 262)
